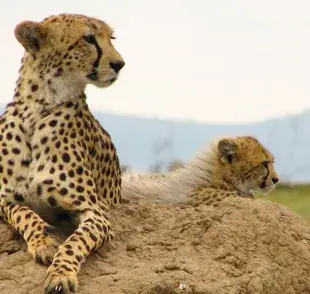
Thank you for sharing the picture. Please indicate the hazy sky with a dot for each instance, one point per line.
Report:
(204, 60)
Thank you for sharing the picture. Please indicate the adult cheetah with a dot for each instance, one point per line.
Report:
(231, 166)
(55, 158)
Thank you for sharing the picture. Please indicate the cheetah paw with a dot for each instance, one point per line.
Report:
(60, 284)
(44, 252)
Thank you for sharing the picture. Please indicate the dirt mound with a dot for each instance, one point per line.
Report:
(241, 246)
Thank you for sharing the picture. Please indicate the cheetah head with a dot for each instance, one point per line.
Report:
(70, 49)
(247, 164)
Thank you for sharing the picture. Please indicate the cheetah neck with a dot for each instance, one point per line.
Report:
(37, 93)
(176, 186)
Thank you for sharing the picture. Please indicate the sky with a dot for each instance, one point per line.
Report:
(202, 60)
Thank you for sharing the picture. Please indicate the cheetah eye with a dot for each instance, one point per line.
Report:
(265, 164)
(230, 158)
(112, 37)
(90, 39)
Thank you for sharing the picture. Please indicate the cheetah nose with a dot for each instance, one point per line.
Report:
(117, 66)
(275, 180)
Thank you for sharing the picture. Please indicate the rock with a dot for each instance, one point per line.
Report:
(241, 246)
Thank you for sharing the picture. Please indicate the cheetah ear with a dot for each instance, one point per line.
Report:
(227, 149)
(30, 34)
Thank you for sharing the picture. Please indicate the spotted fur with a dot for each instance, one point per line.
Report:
(231, 166)
(55, 158)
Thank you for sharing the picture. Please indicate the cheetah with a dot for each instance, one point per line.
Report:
(230, 166)
(55, 158)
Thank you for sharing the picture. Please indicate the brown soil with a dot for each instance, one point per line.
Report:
(241, 246)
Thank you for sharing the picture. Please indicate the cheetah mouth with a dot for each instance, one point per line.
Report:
(95, 78)
(265, 189)
(111, 80)
(102, 83)
(264, 186)
(105, 83)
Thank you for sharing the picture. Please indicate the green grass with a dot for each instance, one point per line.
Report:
(296, 197)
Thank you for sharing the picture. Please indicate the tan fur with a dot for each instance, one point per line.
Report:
(209, 177)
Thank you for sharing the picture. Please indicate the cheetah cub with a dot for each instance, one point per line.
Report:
(230, 166)
(54, 155)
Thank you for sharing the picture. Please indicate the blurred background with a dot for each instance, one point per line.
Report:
(195, 70)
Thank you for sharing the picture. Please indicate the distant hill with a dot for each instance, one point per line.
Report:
(136, 139)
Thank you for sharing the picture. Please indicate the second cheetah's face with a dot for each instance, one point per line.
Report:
(247, 164)
(72, 48)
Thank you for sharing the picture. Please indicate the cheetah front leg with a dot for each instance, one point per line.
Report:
(92, 231)
(38, 234)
